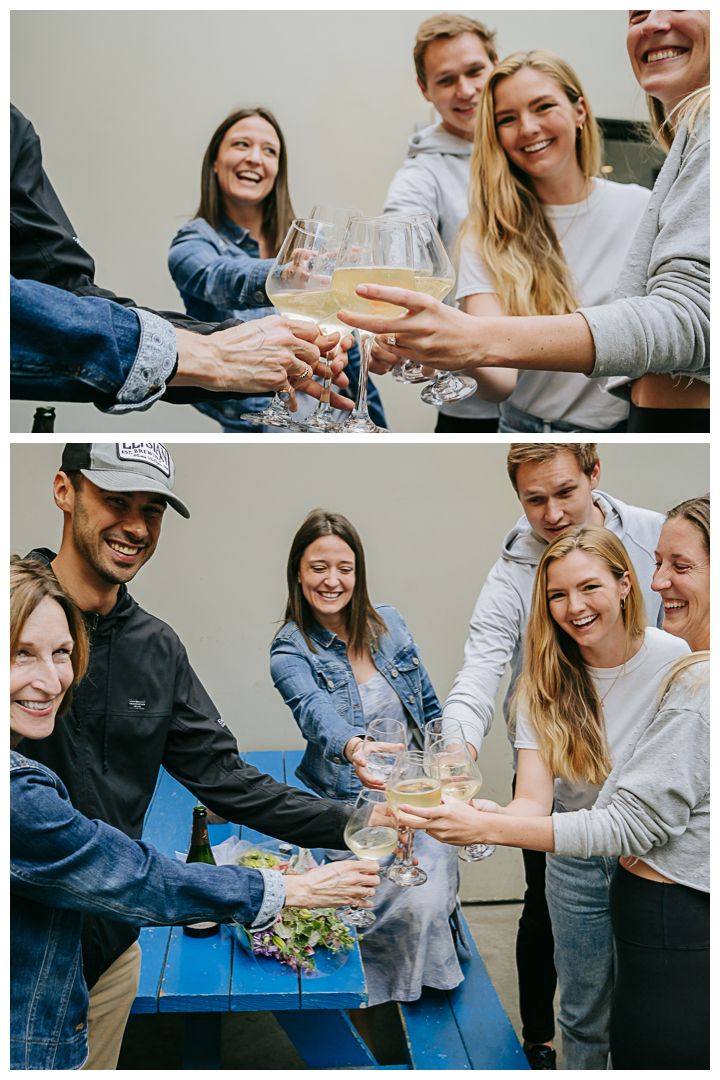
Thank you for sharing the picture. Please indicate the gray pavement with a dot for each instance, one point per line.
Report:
(256, 1040)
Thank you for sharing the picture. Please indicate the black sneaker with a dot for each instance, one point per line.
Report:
(540, 1057)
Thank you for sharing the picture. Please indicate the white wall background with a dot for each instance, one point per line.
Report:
(432, 518)
(125, 103)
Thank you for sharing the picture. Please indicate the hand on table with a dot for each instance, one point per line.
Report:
(346, 881)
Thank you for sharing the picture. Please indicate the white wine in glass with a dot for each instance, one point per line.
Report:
(414, 780)
(461, 779)
(374, 251)
(371, 833)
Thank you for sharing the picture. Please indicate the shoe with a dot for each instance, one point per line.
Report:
(540, 1057)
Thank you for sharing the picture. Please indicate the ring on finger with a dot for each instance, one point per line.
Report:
(391, 339)
(305, 374)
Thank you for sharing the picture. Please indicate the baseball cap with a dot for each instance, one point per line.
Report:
(125, 466)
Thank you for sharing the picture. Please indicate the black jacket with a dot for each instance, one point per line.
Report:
(141, 706)
(44, 247)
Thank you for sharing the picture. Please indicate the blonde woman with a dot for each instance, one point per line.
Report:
(592, 669)
(654, 339)
(545, 233)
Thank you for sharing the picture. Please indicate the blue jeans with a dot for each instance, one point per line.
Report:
(578, 896)
(512, 419)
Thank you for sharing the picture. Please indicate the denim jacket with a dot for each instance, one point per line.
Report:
(63, 864)
(220, 275)
(321, 690)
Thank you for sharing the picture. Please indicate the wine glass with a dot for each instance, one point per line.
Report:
(371, 833)
(298, 285)
(415, 779)
(461, 779)
(441, 728)
(374, 251)
(434, 275)
(384, 739)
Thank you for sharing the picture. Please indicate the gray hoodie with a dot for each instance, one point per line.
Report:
(656, 802)
(499, 621)
(660, 319)
(434, 179)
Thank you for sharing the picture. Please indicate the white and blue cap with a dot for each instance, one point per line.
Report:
(125, 466)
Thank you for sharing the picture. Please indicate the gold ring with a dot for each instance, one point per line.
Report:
(306, 374)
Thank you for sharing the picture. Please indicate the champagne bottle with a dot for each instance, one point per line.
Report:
(44, 419)
(200, 851)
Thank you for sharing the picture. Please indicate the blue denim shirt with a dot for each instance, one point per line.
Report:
(86, 348)
(220, 275)
(321, 690)
(63, 864)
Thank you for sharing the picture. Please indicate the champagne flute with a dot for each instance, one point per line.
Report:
(299, 289)
(414, 780)
(461, 779)
(374, 251)
(371, 833)
(384, 739)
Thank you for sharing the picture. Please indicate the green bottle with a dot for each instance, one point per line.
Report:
(200, 851)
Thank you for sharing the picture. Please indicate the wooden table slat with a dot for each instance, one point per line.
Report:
(259, 984)
(326, 1040)
(431, 1033)
(197, 973)
(487, 1033)
(154, 943)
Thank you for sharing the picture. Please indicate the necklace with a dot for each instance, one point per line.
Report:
(605, 695)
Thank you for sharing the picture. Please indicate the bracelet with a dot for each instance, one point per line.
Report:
(349, 753)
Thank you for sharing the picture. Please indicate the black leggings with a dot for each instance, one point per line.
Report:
(660, 1015)
(659, 420)
(466, 424)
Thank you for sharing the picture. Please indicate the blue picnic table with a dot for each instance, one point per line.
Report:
(464, 1028)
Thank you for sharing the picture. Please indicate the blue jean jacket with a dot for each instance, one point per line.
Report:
(220, 275)
(63, 864)
(321, 690)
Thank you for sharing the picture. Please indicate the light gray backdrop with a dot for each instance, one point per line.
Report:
(432, 519)
(125, 103)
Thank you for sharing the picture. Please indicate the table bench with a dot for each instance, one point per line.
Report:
(465, 1028)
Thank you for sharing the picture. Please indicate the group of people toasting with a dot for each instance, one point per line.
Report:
(583, 303)
(602, 611)
(601, 279)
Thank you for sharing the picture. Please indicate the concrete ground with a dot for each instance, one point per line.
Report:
(256, 1040)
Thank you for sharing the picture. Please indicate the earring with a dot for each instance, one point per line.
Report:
(622, 604)
(580, 131)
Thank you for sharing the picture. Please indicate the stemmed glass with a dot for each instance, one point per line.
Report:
(299, 287)
(338, 216)
(441, 728)
(384, 740)
(374, 251)
(414, 780)
(434, 275)
(461, 779)
(371, 833)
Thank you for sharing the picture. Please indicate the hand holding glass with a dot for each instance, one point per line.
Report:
(371, 833)
(461, 779)
(414, 780)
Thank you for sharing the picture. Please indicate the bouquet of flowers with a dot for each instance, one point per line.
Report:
(298, 931)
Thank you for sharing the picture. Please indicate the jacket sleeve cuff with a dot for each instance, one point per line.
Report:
(273, 900)
(153, 365)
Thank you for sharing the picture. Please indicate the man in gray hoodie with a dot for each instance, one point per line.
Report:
(454, 56)
(557, 487)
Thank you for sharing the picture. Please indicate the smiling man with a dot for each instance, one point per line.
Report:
(454, 56)
(141, 705)
(557, 484)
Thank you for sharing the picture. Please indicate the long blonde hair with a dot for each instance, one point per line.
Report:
(692, 108)
(556, 689)
(506, 222)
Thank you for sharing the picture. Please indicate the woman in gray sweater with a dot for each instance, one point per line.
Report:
(655, 335)
(654, 812)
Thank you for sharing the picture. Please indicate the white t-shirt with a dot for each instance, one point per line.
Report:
(595, 235)
(626, 701)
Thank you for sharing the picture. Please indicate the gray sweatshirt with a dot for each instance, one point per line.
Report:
(660, 318)
(499, 621)
(656, 802)
(434, 180)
